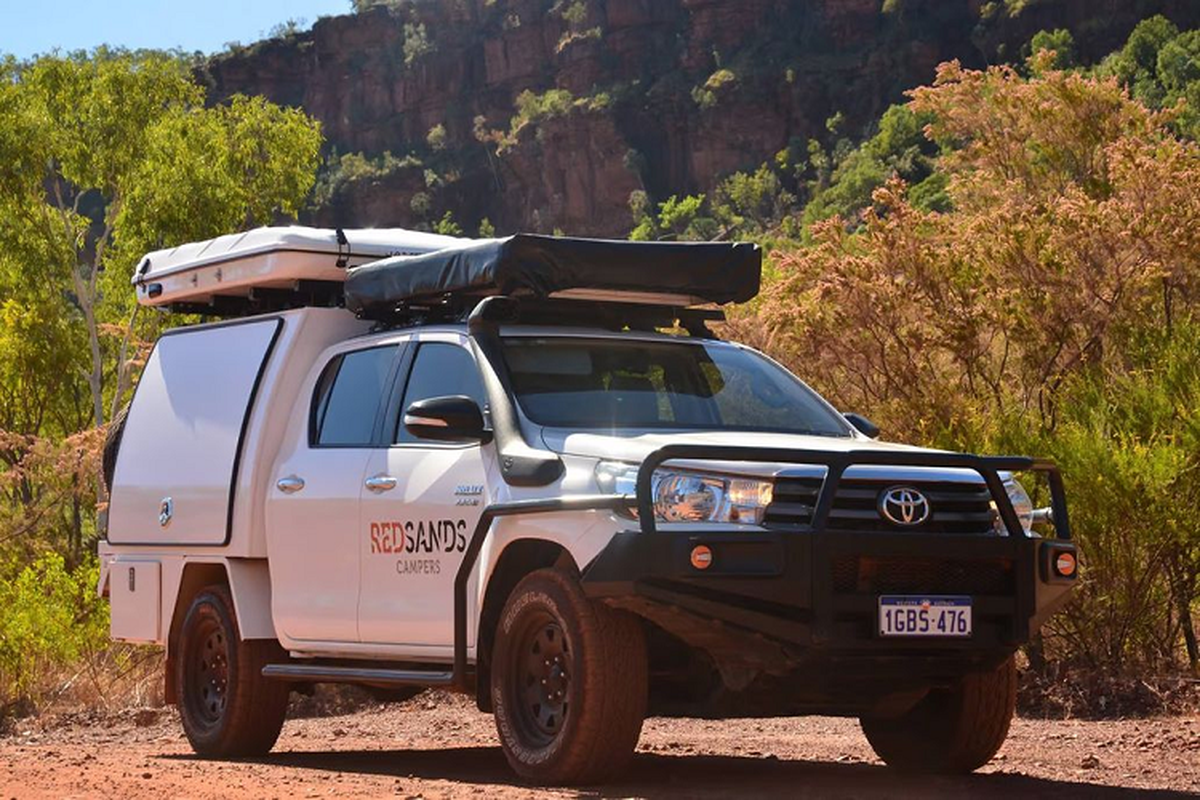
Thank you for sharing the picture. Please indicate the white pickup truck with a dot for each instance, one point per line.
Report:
(402, 461)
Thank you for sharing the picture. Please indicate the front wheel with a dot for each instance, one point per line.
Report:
(228, 708)
(569, 682)
(952, 730)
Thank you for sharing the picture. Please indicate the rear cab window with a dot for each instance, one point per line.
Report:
(349, 396)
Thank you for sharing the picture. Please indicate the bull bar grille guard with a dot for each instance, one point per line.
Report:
(836, 464)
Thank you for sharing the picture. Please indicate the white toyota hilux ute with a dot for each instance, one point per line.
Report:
(403, 461)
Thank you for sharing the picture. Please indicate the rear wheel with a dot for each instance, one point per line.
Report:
(569, 682)
(228, 708)
(951, 730)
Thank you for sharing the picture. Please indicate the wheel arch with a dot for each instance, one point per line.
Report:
(519, 558)
(249, 584)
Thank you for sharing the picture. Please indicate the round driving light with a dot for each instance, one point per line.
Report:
(702, 556)
(1065, 564)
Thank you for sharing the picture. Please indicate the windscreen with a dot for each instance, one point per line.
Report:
(613, 384)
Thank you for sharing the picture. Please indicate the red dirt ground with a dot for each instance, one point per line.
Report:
(438, 746)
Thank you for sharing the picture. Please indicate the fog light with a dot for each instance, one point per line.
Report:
(702, 556)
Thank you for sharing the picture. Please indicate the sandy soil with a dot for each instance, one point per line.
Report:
(439, 746)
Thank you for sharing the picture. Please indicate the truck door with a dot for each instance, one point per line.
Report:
(313, 510)
(421, 504)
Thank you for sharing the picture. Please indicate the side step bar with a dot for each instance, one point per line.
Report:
(365, 676)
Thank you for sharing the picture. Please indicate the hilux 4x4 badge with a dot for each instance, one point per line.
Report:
(468, 494)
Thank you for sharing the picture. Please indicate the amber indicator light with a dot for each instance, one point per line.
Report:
(1064, 564)
(702, 556)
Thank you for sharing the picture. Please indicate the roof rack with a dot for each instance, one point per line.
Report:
(552, 312)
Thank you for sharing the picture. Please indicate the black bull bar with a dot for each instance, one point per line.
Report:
(836, 464)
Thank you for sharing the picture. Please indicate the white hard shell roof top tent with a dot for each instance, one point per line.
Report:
(283, 259)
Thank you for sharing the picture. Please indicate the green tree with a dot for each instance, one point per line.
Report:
(114, 153)
(1136, 64)
(899, 147)
(751, 203)
(684, 219)
(105, 156)
(1060, 41)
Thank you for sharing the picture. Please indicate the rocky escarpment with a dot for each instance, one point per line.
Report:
(666, 96)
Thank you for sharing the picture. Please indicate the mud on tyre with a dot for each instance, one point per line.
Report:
(569, 682)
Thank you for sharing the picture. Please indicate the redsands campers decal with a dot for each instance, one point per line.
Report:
(413, 540)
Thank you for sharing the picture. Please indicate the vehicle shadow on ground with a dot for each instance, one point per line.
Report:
(656, 775)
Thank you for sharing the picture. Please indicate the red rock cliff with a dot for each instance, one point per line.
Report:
(665, 95)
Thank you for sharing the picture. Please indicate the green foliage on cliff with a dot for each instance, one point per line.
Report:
(416, 42)
(342, 170)
(708, 94)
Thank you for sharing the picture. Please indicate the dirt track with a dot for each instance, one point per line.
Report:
(441, 747)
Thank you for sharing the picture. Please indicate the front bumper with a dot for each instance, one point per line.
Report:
(779, 600)
(803, 602)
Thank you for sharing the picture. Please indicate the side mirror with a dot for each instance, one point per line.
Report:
(862, 424)
(454, 418)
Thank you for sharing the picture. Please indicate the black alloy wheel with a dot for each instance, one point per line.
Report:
(206, 689)
(544, 679)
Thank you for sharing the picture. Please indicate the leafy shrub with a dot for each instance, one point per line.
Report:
(416, 42)
(447, 226)
(1060, 41)
(575, 37)
(899, 147)
(679, 218)
(1052, 309)
(342, 170)
(1161, 67)
(533, 108)
(436, 138)
(708, 95)
(50, 618)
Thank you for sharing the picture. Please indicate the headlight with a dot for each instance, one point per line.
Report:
(1020, 503)
(682, 496)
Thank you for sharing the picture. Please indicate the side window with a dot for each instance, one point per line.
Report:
(348, 397)
(439, 369)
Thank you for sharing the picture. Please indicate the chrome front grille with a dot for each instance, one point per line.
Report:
(955, 507)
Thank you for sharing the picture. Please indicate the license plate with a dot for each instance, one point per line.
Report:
(924, 615)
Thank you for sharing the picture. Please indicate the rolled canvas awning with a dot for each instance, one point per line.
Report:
(680, 273)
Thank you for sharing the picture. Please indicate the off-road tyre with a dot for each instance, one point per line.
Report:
(227, 707)
(950, 730)
(569, 682)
